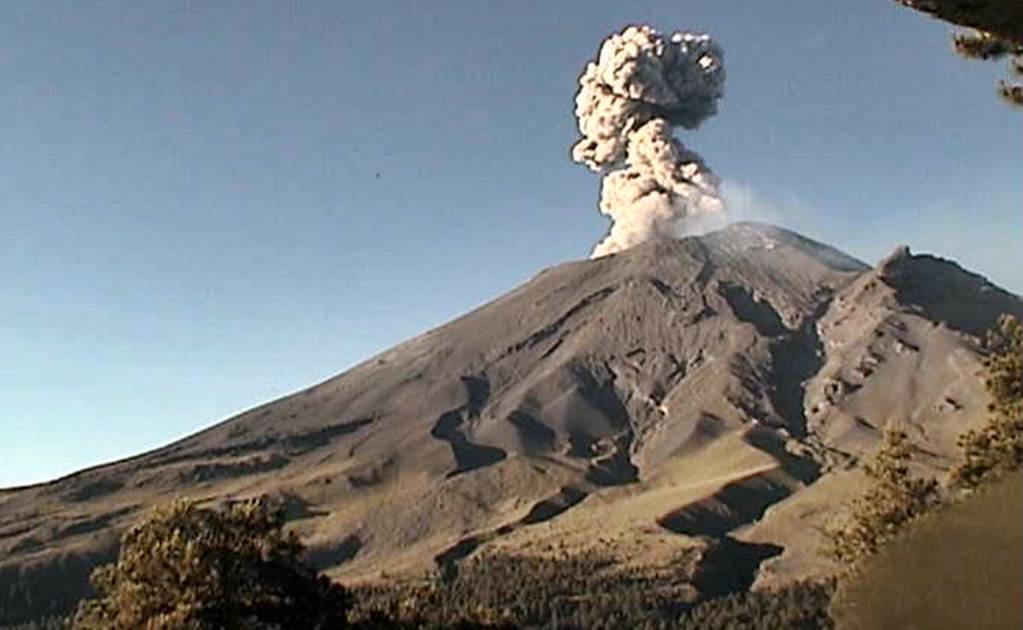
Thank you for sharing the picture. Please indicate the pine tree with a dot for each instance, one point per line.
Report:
(894, 498)
(997, 447)
(996, 33)
(985, 46)
(1003, 18)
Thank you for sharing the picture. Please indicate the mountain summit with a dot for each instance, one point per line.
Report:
(681, 394)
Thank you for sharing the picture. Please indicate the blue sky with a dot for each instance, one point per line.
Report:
(207, 205)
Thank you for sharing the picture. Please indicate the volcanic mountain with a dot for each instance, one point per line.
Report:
(709, 393)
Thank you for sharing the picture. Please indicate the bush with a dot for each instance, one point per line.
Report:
(190, 568)
(893, 499)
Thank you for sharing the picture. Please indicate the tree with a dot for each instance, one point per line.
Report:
(997, 32)
(956, 567)
(893, 499)
(1001, 17)
(997, 447)
(186, 567)
(985, 46)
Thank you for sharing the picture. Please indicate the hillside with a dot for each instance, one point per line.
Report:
(707, 397)
(961, 567)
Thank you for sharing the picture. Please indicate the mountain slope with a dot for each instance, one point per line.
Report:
(651, 402)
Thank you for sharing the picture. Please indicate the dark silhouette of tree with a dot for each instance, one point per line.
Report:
(996, 33)
(1003, 18)
(985, 46)
(185, 567)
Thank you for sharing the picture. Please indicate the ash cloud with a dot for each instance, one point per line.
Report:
(631, 98)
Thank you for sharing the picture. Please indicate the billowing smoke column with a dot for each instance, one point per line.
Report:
(630, 99)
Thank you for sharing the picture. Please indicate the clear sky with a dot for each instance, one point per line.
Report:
(207, 205)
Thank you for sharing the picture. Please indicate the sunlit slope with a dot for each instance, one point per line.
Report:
(678, 396)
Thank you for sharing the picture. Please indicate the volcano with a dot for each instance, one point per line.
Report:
(715, 392)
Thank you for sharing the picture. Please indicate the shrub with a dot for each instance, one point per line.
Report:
(185, 567)
(893, 499)
(958, 567)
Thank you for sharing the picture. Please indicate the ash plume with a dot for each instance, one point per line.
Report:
(641, 86)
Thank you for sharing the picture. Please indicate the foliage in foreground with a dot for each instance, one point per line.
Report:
(893, 499)
(185, 567)
(497, 592)
(985, 46)
(993, 36)
(987, 15)
(958, 567)
(997, 447)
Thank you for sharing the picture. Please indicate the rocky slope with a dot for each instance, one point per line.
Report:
(710, 395)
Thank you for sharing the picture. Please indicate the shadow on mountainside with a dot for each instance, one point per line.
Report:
(730, 566)
(468, 456)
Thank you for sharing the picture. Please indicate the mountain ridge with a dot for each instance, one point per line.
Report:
(681, 395)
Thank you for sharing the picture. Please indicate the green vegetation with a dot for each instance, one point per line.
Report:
(959, 567)
(190, 568)
(186, 567)
(588, 592)
(997, 447)
(894, 499)
(576, 591)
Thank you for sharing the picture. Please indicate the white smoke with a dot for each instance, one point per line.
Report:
(640, 87)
